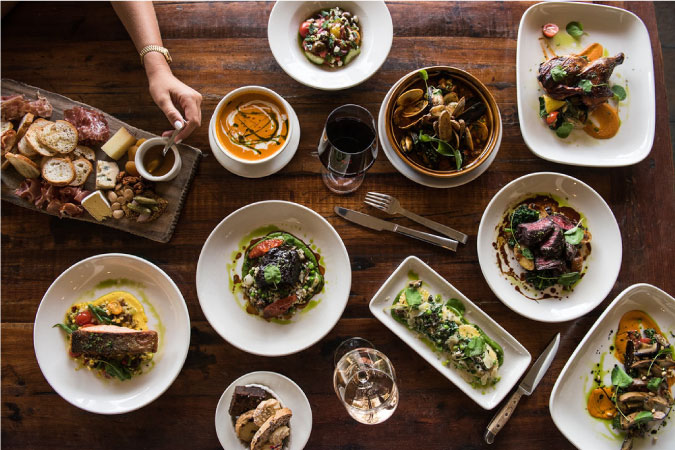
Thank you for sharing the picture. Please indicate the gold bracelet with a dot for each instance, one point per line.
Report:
(155, 48)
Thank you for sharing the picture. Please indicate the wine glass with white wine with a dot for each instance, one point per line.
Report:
(365, 381)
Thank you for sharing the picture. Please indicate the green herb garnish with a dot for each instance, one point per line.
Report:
(100, 314)
(456, 304)
(574, 235)
(654, 383)
(526, 252)
(620, 378)
(575, 29)
(568, 279)
(542, 107)
(117, 370)
(644, 417)
(272, 274)
(564, 130)
(65, 327)
(619, 93)
(413, 297)
(558, 73)
(475, 347)
(586, 85)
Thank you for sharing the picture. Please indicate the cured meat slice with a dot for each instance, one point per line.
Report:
(92, 128)
(15, 107)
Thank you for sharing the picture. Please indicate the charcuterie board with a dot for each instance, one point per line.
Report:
(173, 191)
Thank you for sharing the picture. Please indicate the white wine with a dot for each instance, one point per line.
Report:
(365, 382)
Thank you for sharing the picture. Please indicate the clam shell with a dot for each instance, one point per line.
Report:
(450, 97)
(416, 108)
(409, 97)
(437, 110)
(411, 124)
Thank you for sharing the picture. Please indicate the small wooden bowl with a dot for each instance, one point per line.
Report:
(493, 119)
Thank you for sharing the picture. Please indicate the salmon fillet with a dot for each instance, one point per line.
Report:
(112, 341)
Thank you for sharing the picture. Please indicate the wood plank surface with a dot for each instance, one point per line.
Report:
(83, 52)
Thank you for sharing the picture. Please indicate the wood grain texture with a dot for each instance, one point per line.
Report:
(218, 47)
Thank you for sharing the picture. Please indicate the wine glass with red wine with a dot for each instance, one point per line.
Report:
(347, 149)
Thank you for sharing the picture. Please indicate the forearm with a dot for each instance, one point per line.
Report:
(140, 21)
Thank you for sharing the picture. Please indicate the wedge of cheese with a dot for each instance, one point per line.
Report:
(117, 145)
(106, 174)
(97, 205)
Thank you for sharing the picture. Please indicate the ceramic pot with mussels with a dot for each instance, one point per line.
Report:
(442, 121)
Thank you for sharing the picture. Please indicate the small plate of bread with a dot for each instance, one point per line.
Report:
(263, 410)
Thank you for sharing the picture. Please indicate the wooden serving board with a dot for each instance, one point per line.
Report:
(173, 191)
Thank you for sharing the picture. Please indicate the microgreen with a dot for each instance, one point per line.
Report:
(413, 297)
(575, 29)
(654, 383)
(558, 73)
(574, 235)
(564, 130)
(619, 93)
(456, 304)
(620, 378)
(272, 274)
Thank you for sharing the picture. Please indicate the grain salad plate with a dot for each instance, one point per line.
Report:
(516, 357)
(568, 398)
(618, 31)
(175, 191)
(221, 295)
(86, 281)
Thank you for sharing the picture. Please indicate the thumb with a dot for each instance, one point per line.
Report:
(171, 113)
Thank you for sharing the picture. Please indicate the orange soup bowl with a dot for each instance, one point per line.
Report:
(251, 125)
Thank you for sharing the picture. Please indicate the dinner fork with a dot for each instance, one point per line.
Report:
(391, 205)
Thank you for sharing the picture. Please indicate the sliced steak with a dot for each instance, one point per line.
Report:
(532, 233)
(570, 251)
(562, 221)
(112, 341)
(555, 265)
(246, 398)
(553, 245)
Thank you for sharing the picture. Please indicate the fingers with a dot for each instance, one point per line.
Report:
(170, 111)
(193, 113)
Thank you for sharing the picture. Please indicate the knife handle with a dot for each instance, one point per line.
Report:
(446, 243)
(503, 416)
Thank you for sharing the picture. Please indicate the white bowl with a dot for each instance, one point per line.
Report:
(618, 31)
(166, 311)
(516, 357)
(156, 142)
(604, 261)
(568, 398)
(377, 34)
(224, 307)
(244, 90)
(289, 394)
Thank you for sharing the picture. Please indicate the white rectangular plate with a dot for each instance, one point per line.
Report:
(516, 357)
(618, 31)
(568, 398)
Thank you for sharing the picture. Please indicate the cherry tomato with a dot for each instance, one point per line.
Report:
(83, 318)
(263, 247)
(74, 355)
(645, 340)
(552, 118)
(550, 30)
(304, 29)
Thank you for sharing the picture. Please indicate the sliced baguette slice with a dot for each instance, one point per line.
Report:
(26, 122)
(32, 141)
(279, 419)
(25, 148)
(82, 151)
(23, 165)
(83, 169)
(58, 171)
(5, 125)
(59, 136)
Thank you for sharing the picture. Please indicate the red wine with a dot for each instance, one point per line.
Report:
(342, 149)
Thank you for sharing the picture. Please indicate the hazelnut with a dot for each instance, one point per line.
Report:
(118, 214)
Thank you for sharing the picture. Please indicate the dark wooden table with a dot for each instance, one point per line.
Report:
(82, 51)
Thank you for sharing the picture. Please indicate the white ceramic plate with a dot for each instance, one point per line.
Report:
(265, 168)
(420, 178)
(516, 357)
(224, 307)
(618, 31)
(166, 311)
(568, 398)
(603, 263)
(377, 34)
(289, 395)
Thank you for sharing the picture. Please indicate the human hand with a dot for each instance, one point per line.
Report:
(169, 92)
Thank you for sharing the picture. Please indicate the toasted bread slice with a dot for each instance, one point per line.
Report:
(58, 171)
(25, 148)
(23, 165)
(279, 419)
(83, 169)
(8, 140)
(32, 141)
(26, 122)
(59, 136)
(82, 151)
(5, 125)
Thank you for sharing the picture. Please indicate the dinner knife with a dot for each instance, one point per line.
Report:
(379, 225)
(526, 387)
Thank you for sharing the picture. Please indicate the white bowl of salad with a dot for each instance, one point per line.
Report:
(330, 46)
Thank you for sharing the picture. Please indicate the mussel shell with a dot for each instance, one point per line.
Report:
(445, 126)
(450, 97)
(409, 97)
(437, 110)
(411, 124)
(473, 112)
(459, 109)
